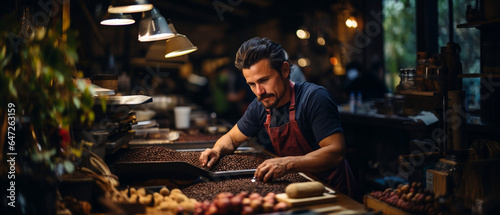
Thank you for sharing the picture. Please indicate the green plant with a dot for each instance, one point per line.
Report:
(39, 77)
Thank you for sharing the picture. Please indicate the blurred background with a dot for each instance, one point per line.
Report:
(351, 47)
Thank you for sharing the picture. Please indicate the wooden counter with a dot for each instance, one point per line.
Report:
(342, 203)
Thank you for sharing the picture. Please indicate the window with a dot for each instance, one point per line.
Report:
(469, 41)
(400, 41)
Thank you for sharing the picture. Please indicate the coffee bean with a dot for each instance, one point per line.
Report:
(209, 190)
(226, 163)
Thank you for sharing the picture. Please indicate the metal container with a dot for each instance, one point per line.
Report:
(407, 76)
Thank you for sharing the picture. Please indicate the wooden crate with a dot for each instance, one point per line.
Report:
(380, 206)
(437, 181)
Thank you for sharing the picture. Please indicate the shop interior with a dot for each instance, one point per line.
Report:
(417, 84)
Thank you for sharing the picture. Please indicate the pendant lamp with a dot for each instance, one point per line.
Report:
(153, 27)
(129, 6)
(117, 19)
(179, 44)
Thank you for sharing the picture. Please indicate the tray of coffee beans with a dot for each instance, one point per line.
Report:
(174, 139)
(161, 162)
(207, 190)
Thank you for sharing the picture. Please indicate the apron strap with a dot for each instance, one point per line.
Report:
(292, 102)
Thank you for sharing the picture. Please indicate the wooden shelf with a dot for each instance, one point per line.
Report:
(479, 23)
(483, 75)
(418, 93)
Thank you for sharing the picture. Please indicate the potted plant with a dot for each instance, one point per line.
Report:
(42, 95)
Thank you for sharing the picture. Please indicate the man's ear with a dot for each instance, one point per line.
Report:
(285, 69)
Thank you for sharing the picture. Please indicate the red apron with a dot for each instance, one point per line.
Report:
(288, 140)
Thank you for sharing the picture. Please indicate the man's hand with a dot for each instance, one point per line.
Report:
(272, 169)
(209, 157)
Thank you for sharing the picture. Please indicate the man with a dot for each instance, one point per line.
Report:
(301, 120)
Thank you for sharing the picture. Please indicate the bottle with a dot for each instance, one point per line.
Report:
(359, 101)
(352, 102)
(420, 71)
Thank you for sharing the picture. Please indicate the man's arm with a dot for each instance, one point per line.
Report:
(330, 155)
(224, 145)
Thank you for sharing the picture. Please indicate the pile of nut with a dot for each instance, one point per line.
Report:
(412, 198)
(175, 202)
(172, 201)
(241, 203)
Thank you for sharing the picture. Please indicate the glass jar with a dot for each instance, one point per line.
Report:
(407, 76)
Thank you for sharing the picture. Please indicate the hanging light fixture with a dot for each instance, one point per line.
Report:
(179, 44)
(154, 27)
(117, 19)
(129, 6)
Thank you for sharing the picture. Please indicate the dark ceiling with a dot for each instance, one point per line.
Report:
(217, 27)
(239, 13)
(209, 23)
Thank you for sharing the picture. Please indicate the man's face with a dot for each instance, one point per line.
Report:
(268, 84)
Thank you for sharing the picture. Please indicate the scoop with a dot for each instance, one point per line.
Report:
(174, 169)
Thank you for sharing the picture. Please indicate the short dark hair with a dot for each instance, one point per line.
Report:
(256, 49)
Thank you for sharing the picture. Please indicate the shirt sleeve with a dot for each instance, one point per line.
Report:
(323, 114)
(253, 119)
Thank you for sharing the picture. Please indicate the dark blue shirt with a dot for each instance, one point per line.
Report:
(315, 112)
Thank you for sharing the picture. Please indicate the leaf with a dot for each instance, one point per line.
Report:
(76, 152)
(12, 88)
(3, 52)
(38, 66)
(68, 166)
(77, 102)
(103, 104)
(91, 116)
(81, 85)
(59, 77)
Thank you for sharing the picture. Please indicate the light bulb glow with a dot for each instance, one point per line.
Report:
(321, 41)
(351, 23)
(303, 62)
(302, 34)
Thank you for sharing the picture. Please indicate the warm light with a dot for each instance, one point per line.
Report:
(129, 6)
(302, 34)
(303, 62)
(338, 70)
(117, 19)
(321, 41)
(154, 27)
(117, 22)
(351, 23)
(180, 53)
(334, 61)
(179, 45)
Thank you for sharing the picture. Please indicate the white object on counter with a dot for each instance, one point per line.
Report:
(426, 117)
(182, 114)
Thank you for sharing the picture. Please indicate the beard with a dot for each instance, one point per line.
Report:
(270, 103)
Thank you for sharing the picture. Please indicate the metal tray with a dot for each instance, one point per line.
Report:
(134, 170)
(124, 100)
(142, 140)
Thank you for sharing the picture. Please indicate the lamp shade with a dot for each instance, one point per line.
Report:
(117, 19)
(179, 45)
(154, 27)
(129, 6)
